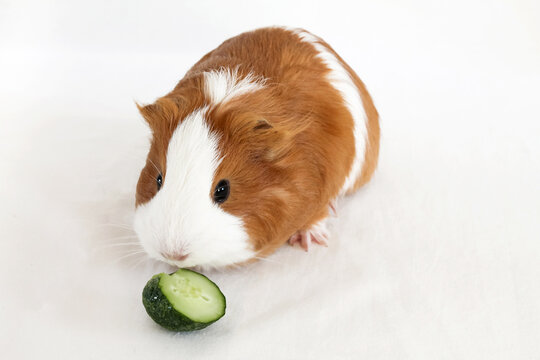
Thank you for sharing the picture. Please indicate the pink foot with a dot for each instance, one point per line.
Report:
(318, 233)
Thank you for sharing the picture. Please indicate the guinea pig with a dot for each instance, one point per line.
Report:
(251, 149)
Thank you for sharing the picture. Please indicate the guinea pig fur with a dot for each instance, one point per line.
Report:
(252, 148)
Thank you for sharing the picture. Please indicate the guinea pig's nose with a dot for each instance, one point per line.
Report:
(175, 255)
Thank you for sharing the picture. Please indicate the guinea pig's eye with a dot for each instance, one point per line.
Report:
(159, 181)
(221, 192)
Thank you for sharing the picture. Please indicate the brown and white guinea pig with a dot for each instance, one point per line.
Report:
(251, 149)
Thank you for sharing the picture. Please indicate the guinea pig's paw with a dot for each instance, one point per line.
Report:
(317, 233)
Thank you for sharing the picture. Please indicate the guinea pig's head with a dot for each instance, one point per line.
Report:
(214, 190)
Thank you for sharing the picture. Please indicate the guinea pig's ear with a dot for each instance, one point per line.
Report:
(148, 113)
(162, 112)
(270, 139)
(262, 124)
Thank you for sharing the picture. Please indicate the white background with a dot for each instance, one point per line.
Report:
(437, 258)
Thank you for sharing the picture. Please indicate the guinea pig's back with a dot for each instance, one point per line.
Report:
(316, 91)
(359, 104)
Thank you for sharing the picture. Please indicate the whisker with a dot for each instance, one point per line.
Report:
(108, 246)
(140, 262)
(122, 226)
(155, 167)
(130, 255)
(125, 237)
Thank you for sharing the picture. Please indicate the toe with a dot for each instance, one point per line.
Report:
(305, 240)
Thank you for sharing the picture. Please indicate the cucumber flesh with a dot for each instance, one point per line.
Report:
(193, 295)
(183, 301)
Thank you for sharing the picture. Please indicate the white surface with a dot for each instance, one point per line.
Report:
(438, 258)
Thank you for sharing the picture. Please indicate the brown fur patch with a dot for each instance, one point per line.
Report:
(371, 155)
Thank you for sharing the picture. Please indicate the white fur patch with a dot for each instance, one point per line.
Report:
(182, 217)
(341, 80)
(224, 84)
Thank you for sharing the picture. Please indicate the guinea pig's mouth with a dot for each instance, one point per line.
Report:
(175, 256)
(178, 259)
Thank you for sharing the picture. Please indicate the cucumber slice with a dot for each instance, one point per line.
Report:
(183, 301)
